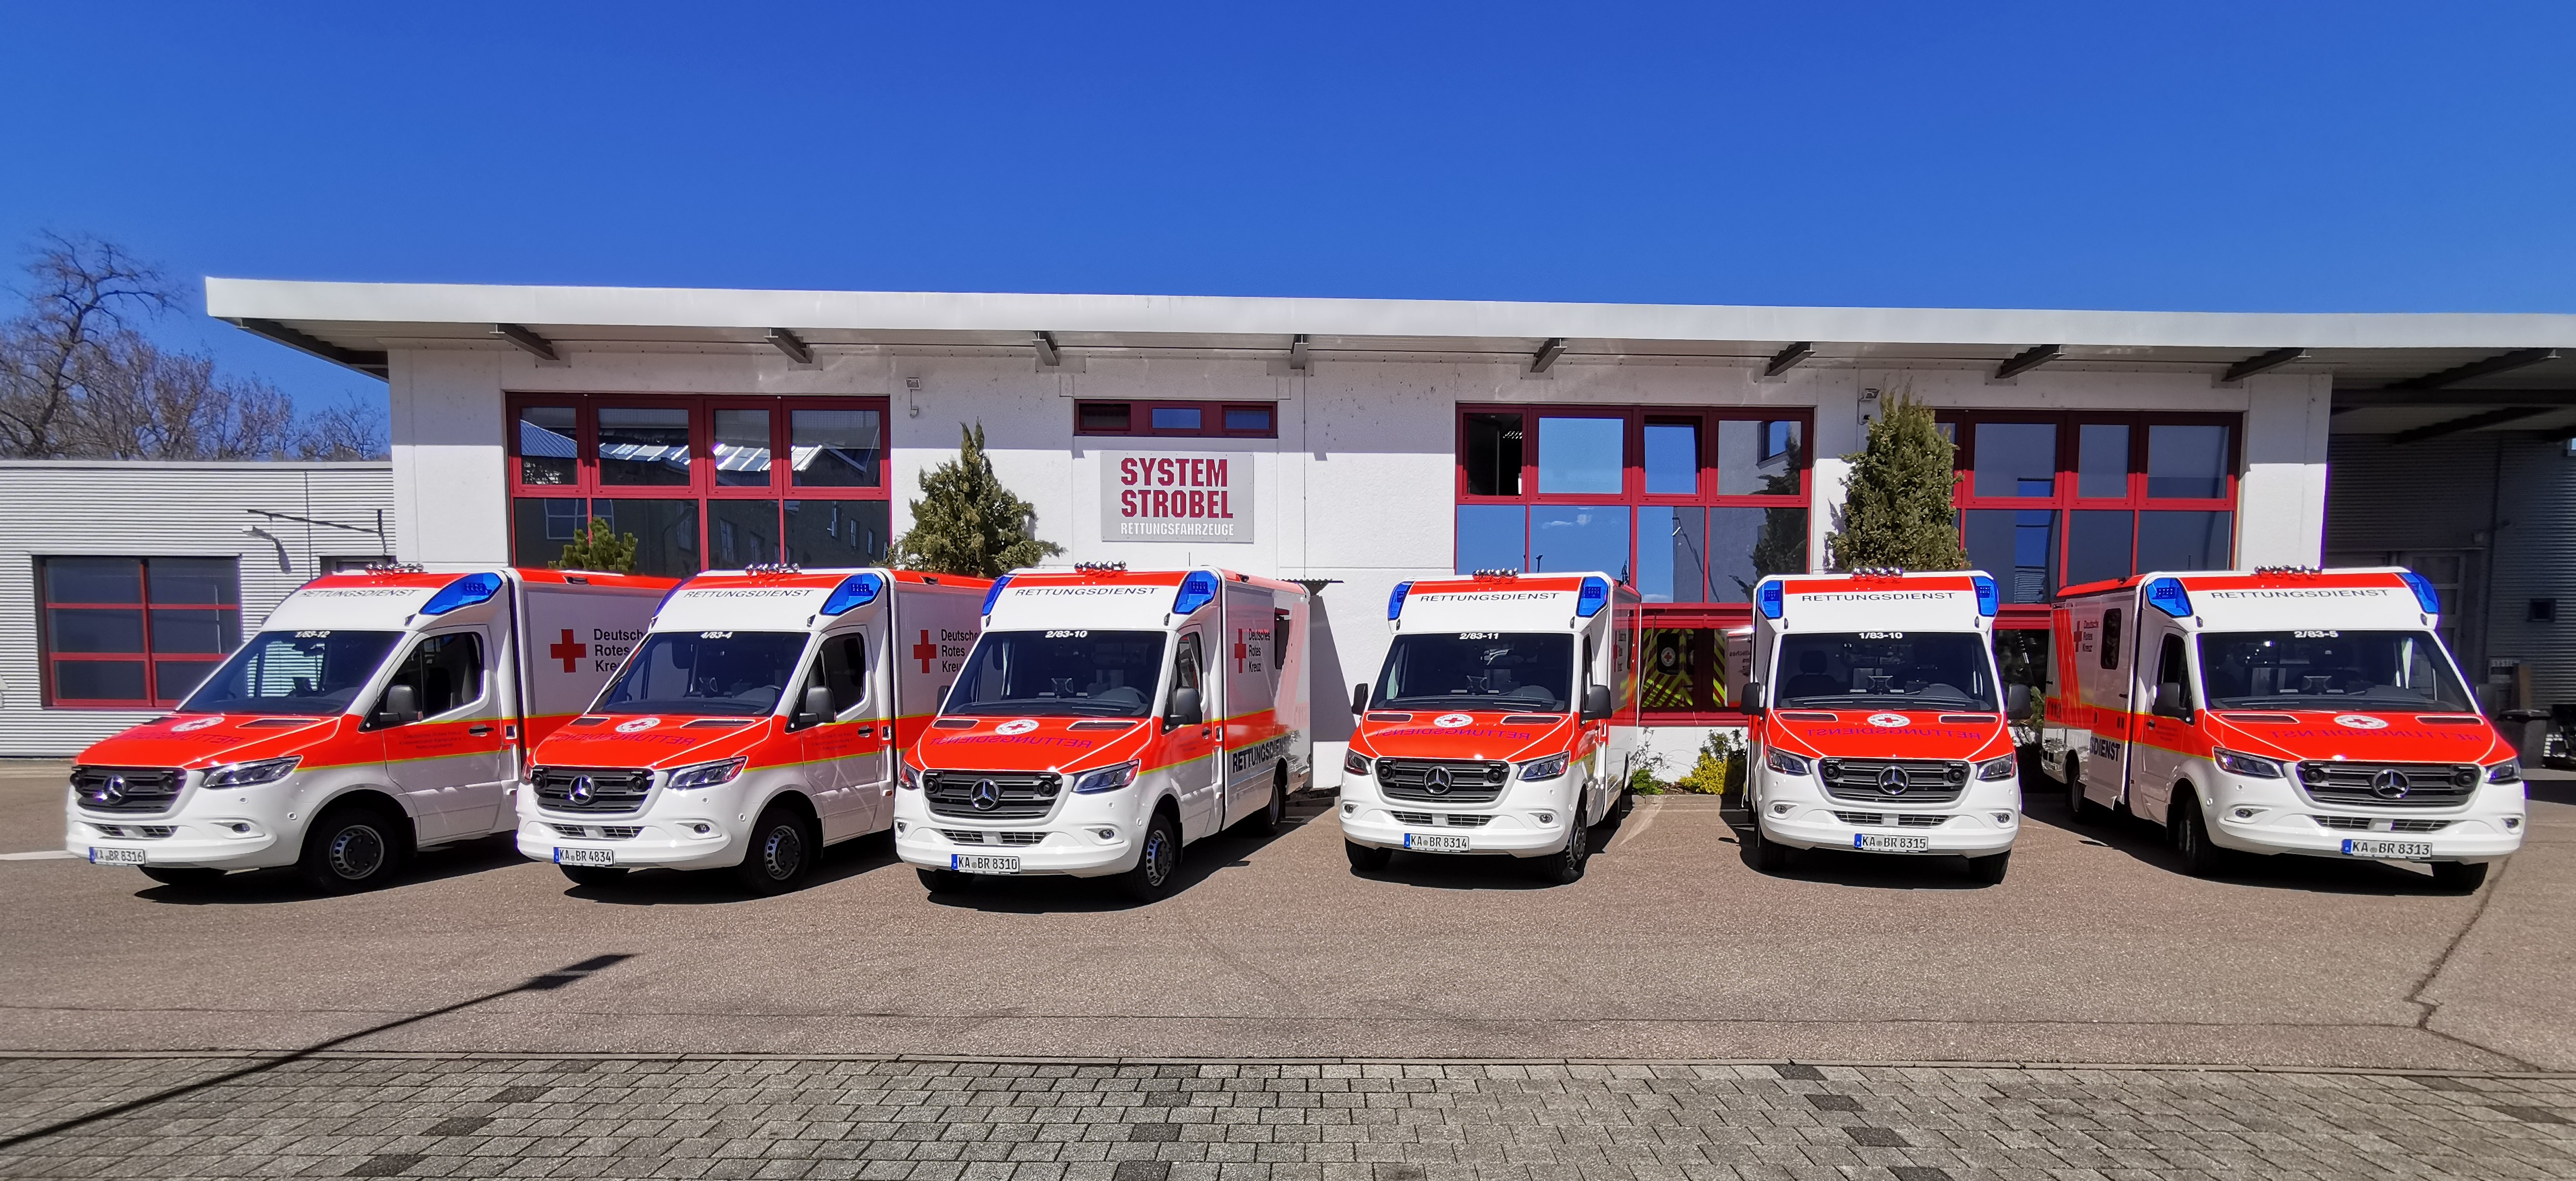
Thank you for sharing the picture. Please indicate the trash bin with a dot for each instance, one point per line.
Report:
(2528, 731)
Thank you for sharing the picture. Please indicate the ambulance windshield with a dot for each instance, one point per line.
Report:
(1530, 672)
(736, 674)
(1083, 672)
(1904, 670)
(312, 673)
(2329, 669)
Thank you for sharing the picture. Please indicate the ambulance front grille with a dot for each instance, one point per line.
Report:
(127, 789)
(1869, 781)
(591, 789)
(2389, 785)
(2369, 824)
(149, 832)
(1442, 781)
(1014, 795)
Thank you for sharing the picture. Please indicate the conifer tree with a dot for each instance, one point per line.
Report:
(1897, 509)
(598, 547)
(966, 522)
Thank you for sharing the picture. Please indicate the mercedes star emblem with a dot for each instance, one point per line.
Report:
(988, 795)
(582, 789)
(1892, 781)
(112, 790)
(1436, 781)
(2389, 784)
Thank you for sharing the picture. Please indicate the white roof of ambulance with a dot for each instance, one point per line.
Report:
(729, 601)
(2374, 598)
(1945, 601)
(1049, 600)
(1534, 603)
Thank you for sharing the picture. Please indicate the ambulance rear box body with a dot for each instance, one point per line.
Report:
(373, 715)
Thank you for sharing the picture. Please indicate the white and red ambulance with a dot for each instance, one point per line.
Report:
(374, 714)
(1879, 720)
(1106, 719)
(1502, 721)
(2281, 710)
(757, 723)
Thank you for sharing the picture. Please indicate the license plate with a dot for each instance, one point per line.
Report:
(2389, 850)
(99, 856)
(1435, 842)
(983, 863)
(585, 856)
(1871, 842)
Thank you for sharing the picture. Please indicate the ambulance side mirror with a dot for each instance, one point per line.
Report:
(816, 709)
(1359, 698)
(2016, 700)
(1185, 709)
(1596, 703)
(401, 707)
(2169, 700)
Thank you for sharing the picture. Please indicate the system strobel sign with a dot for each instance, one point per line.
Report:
(1198, 497)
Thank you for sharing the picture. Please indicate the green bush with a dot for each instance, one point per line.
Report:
(1720, 769)
(1643, 782)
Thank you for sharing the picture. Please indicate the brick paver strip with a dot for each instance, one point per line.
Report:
(427, 1115)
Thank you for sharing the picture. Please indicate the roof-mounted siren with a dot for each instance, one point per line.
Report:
(2425, 596)
(1771, 597)
(464, 592)
(1989, 600)
(2167, 595)
(1589, 601)
(994, 595)
(858, 590)
(1395, 601)
(1198, 589)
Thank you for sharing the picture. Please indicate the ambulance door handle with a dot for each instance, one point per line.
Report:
(478, 731)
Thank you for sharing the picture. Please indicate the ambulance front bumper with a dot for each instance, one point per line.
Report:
(2490, 828)
(258, 827)
(1531, 818)
(699, 829)
(1982, 821)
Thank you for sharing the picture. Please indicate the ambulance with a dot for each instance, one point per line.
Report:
(1878, 720)
(1106, 719)
(756, 724)
(1503, 721)
(2285, 710)
(375, 714)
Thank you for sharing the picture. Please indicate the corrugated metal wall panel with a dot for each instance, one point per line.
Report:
(2535, 558)
(2429, 495)
(75, 507)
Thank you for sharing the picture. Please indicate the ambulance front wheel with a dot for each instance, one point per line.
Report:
(1989, 871)
(941, 881)
(593, 875)
(1366, 858)
(1767, 855)
(354, 846)
(782, 851)
(2201, 857)
(2462, 877)
(1565, 866)
(2083, 810)
(1158, 860)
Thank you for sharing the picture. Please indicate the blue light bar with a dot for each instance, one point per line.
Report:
(858, 590)
(2425, 596)
(2167, 595)
(1198, 590)
(1588, 601)
(1988, 598)
(995, 595)
(1395, 601)
(464, 592)
(1772, 596)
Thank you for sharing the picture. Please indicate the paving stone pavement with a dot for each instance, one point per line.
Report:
(384, 1115)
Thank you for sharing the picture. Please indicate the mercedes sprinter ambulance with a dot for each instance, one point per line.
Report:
(1107, 718)
(1502, 722)
(757, 723)
(1879, 721)
(2280, 711)
(373, 715)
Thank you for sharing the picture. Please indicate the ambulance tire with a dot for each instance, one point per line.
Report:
(1366, 858)
(943, 881)
(173, 875)
(2083, 810)
(594, 875)
(1627, 803)
(1268, 821)
(1158, 863)
(1768, 856)
(2201, 857)
(1565, 866)
(1989, 871)
(2460, 877)
(354, 846)
(782, 851)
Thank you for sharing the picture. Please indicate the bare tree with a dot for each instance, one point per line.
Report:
(350, 430)
(81, 291)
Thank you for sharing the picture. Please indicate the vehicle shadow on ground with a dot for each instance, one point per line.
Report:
(718, 887)
(2044, 803)
(1056, 894)
(1866, 871)
(2550, 791)
(262, 887)
(1487, 871)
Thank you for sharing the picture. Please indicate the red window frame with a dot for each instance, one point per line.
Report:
(150, 658)
(1140, 420)
(701, 485)
(2065, 493)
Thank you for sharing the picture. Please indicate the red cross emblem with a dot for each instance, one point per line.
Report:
(1239, 649)
(567, 649)
(925, 651)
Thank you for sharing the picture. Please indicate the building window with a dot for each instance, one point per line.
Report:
(2049, 501)
(134, 633)
(702, 482)
(1216, 420)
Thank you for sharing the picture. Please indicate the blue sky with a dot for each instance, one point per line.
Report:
(2330, 156)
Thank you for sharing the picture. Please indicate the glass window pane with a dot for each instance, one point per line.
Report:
(2097, 545)
(193, 580)
(2102, 460)
(1670, 678)
(666, 533)
(1102, 416)
(2185, 541)
(742, 448)
(2018, 547)
(93, 580)
(2016, 459)
(830, 533)
(741, 533)
(89, 629)
(837, 448)
(2187, 461)
(1177, 418)
(1493, 457)
(1572, 538)
(184, 629)
(99, 680)
(643, 445)
(1672, 458)
(1758, 458)
(539, 527)
(1490, 537)
(174, 680)
(1672, 553)
(1580, 455)
(548, 445)
(1247, 418)
(1746, 544)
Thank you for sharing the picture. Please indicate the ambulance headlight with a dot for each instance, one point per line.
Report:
(248, 774)
(1994, 769)
(2508, 771)
(712, 774)
(1354, 763)
(908, 777)
(1546, 768)
(1092, 783)
(2249, 766)
(1786, 763)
